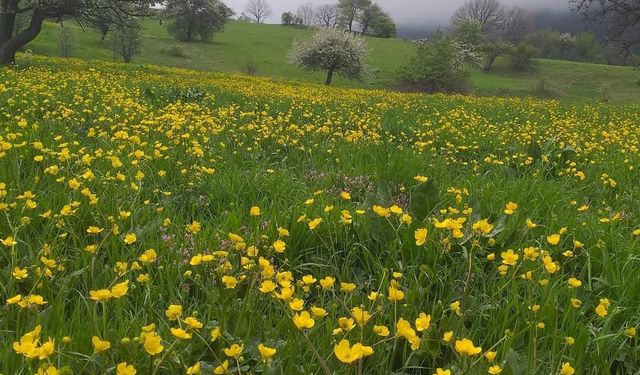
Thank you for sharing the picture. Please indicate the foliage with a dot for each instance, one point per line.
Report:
(350, 10)
(172, 221)
(126, 41)
(439, 65)
(197, 18)
(521, 56)
(334, 51)
(259, 9)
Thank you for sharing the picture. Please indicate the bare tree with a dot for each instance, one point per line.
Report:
(517, 24)
(621, 19)
(259, 9)
(489, 13)
(327, 15)
(306, 13)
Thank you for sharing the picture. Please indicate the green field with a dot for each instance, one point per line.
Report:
(268, 45)
(186, 222)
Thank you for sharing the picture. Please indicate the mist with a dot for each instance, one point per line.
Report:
(407, 13)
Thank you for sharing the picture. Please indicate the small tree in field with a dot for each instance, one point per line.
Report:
(126, 41)
(334, 51)
(196, 18)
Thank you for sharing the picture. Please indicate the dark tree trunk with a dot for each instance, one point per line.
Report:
(489, 62)
(8, 11)
(9, 48)
(329, 77)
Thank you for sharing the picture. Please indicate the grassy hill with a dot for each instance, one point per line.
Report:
(267, 46)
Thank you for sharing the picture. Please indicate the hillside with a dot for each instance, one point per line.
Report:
(267, 46)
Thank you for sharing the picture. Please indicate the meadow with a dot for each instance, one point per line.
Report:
(157, 220)
(265, 47)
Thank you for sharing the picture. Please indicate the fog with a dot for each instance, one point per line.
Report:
(405, 12)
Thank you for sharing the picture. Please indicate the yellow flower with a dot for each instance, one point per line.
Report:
(313, 224)
(440, 371)
(347, 287)
(254, 211)
(381, 211)
(490, 356)
(119, 290)
(349, 354)
(421, 178)
(447, 336)
(130, 238)
(148, 256)
(509, 258)
(266, 352)
(346, 324)
(180, 334)
(234, 351)
(20, 273)
(494, 370)
(510, 208)
(279, 246)
(566, 369)
(395, 294)
(530, 224)
(569, 340)
(9, 241)
(303, 320)
(194, 227)
(327, 282)
(421, 236)
(601, 309)
(318, 312)
(124, 369)
(267, 286)
(455, 306)
(630, 332)
(296, 304)
(173, 312)
(423, 322)
(381, 331)
(345, 195)
(100, 295)
(553, 239)
(229, 282)
(482, 227)
(194, 370)
(99, 345)
(361, 316)
(193, 323)
(94, 230)
(222, 368)
(574, 283)
(215, 334)
(152, 343)
(466, 347)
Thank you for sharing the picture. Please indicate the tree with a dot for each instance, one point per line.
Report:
(334, 51)
(126, 41)
(84, 11)
(521, 56)
(306, 13)
(192, 18)
(383, 26)
(369, 15)
(259, 9)
(287, 18)
(621, 19)
(327, 15)
(517, 24)
(349, 11)
(489, 13)
(439, 65)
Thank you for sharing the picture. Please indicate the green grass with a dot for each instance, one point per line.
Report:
(150, 150)
(268, 45)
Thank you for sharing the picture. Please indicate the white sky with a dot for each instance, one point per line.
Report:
(413, 12)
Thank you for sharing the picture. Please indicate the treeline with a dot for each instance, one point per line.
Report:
(358, 16)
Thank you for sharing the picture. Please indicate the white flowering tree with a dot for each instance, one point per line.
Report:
(333, 51)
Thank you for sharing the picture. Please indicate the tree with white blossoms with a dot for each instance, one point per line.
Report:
(334, 51)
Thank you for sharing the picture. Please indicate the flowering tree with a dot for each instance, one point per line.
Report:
(334, 51)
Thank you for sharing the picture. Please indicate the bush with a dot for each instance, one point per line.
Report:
(174, 50)
(521, 56)
(439, 66)
(251, 67)
(126, 41)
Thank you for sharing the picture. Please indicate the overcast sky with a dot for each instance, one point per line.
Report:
(407, 12)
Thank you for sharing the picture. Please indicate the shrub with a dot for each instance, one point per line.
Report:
(439, 66)
(174, 50)
(251, 67)
(521, 56)
(65, 40)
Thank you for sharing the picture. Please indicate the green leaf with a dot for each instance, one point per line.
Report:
(424, 198)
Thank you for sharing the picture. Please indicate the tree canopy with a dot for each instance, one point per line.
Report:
(197, 18)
